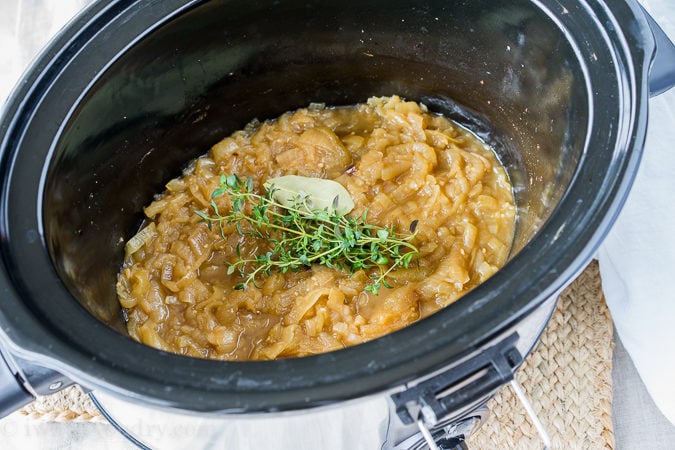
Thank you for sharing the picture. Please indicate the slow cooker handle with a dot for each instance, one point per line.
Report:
(21, 381)
(662, 71)
(431, 402)
(13, 395)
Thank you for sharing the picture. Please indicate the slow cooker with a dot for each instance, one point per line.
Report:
(131, 90)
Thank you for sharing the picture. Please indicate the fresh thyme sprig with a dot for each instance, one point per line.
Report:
(300, 236)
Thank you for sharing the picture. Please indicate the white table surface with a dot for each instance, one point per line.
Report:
(25, 27)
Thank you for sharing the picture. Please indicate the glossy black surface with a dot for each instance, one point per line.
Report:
(135, 89)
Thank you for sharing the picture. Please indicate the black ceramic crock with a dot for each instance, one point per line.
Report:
(132, 90)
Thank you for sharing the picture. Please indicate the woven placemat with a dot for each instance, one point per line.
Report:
(567, 379)
(68, 405)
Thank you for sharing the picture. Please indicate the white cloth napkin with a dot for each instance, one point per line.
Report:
(637, 260)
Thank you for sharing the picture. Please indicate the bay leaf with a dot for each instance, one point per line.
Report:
(321, 194)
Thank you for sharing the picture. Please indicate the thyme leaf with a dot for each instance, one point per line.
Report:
(300, 235)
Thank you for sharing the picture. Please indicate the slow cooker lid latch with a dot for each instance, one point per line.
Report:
(433, 399)
(434, 402)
